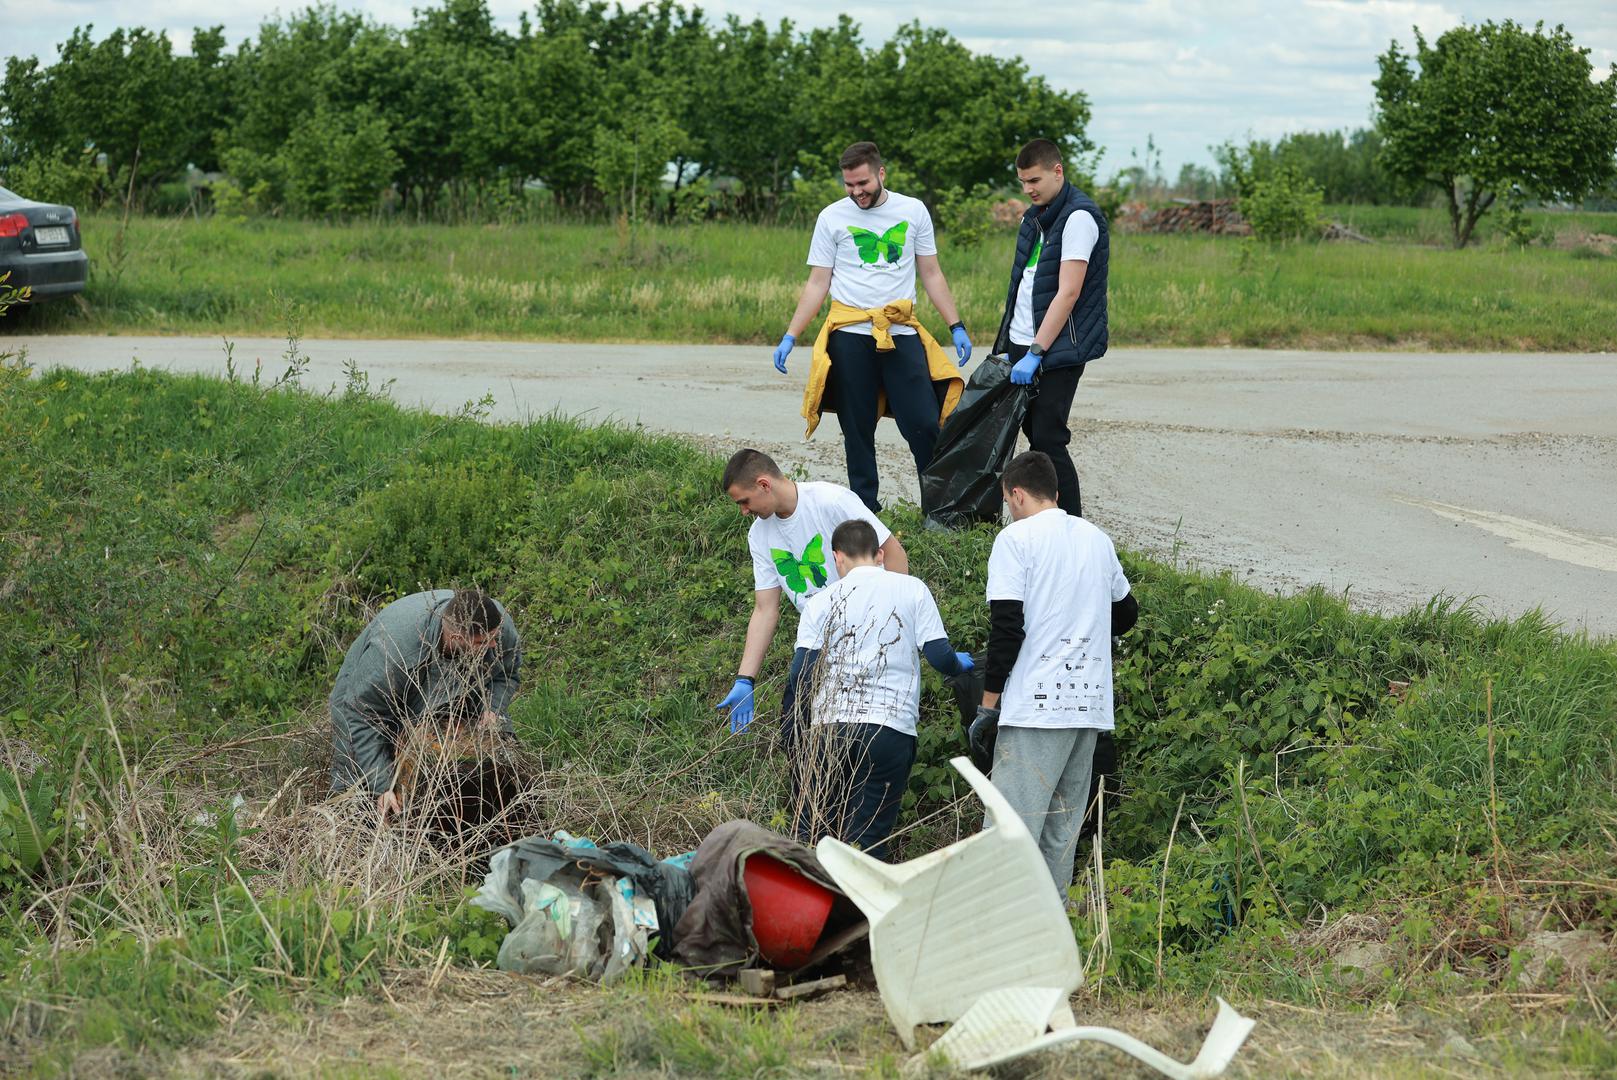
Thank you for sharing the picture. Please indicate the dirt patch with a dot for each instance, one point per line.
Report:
(487, 1024)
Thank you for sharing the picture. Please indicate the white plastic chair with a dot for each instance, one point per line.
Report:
(948, 927)
(974, 934)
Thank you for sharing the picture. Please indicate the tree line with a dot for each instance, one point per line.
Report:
(652, 110)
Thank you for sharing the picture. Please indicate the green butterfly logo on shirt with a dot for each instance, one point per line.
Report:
(889, 245)
(1033, 259)
(800, 573)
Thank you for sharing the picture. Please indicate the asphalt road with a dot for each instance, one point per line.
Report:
(1392, 476)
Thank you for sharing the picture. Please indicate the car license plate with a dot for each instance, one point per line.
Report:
(50, 234)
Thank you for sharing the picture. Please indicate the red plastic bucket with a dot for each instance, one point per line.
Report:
(788, 910)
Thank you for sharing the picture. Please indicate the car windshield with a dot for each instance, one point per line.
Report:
(9, 196)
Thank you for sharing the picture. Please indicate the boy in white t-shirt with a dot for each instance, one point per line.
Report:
(1055, 307)
(1057, 595)
(789, 540)
(858, 647)
(866, 252)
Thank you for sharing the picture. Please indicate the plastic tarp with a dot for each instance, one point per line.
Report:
(961, 485)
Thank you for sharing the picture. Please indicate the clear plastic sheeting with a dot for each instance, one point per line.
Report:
(577, 922)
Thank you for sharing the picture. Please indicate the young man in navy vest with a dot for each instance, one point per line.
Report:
(1055, 312)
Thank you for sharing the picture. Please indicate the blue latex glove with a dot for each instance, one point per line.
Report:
(1027, 367)
(966, 662)
(962, 343)
(782, 351)
(739, 702)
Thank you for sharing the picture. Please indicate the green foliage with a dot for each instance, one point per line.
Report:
(1265, 726)
(11, 296)
(32, 822)
(1347, 166)
(337, 163)
(435, 526)
(72, 181)
(1492, 109)
(968, 217)
(1274, 195)
(598, 103)
(1285, 205)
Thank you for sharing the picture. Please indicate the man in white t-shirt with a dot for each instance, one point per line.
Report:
(789, 541)
(1056, 595)
(858, 645)
(865, 253)
(1055, 308)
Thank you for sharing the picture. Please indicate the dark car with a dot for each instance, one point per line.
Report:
(39, 245)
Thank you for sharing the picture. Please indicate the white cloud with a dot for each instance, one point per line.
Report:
(1189, 73)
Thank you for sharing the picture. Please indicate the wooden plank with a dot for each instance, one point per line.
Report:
(799, 990)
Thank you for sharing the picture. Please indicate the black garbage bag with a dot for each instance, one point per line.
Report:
(961, 485)
(968, 694)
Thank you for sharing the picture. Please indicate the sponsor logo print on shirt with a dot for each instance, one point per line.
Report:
(888, 245)
(799, 572)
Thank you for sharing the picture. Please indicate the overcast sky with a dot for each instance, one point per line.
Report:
(1190, 73)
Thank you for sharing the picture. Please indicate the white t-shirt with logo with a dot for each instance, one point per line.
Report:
(1065, 572)
(872, 252)
(1078, 239)
(869, 628)
(794, 554)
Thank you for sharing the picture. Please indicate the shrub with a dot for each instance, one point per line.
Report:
(434, 526)
(1284, 205)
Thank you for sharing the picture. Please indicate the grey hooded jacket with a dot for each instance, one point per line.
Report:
(395, 674)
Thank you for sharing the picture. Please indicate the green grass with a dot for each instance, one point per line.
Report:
(1430, 224)
(731, 283)
(184, 561)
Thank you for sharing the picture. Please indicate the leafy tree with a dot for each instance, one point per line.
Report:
(1494, 110)
(337, 163)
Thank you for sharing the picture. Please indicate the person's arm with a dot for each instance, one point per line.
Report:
(894, 557)
(505, 678)
(1006, 631)
(1068, 286)
(760, 631)
(809, 302)
(1125, 613)
(937, 287)
(941, 655)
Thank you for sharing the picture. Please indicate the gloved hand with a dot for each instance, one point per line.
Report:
(962, 343)
(983, 731)
(739, 702)
(1022, 374)
(966, 662)
(782, 351)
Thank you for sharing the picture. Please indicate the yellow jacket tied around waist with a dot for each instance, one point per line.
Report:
(881, 320)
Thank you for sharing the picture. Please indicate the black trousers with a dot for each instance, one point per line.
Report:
(858, 374)
(852, 784)
(1046, 425)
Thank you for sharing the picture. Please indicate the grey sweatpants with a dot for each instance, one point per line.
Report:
(1044, 774)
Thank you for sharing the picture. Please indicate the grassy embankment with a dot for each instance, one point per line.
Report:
(739, 283)
(183, 561)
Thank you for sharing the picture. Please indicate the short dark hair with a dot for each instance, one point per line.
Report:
(1034, 473)
(1039, 154)
(855, 538)
(473, 611)
(860, 153)
(746, 466)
